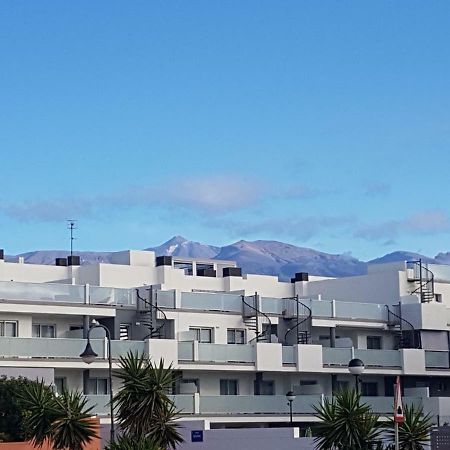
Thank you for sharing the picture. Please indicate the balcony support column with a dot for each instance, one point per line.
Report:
(333, 337)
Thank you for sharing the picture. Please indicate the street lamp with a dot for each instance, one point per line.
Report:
(356, 368)
(290, 396)
(89, 356)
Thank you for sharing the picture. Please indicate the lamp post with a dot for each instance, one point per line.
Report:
(290, 396)
(356, 368)
(89, 356)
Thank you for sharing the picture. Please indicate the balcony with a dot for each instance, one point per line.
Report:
(62, 348)
(216, 353)
(100, 403)
(238, 405)
(372, 358)
(66, 293)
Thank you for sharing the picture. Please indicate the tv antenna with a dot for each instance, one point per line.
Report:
(71, 225)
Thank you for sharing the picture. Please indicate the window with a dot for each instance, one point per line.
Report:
(60, 384)
(186, 266)
(369, 389)
(44, 331)
(267, 388)
(125, 331)
(8, 328)
(229, 387)
(97, 386)
(374, 342)
(203, 335)
(235, 336)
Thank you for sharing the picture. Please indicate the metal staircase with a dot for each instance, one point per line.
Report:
(253, 317)
(406, 335)
(299, 319)
(150, 315)
(423, 279)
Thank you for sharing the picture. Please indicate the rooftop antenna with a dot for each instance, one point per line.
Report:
(71, 225)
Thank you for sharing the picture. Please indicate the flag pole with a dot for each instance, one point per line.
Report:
(397, 447)
(399, 416)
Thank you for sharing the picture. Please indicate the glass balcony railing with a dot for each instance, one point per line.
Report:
(211, 302)
(111, 296)
(436, 360)
(100, 403)
(64, 348)
(65, 293)
(371, 358)
(288, 355)
(51, 292)
(257, 404)
(186, 351)
(226, 353)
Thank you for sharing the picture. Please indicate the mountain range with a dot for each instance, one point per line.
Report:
(263, 257)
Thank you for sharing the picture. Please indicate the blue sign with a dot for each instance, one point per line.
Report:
(196, 435)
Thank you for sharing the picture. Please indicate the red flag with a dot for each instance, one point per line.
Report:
(399, 416)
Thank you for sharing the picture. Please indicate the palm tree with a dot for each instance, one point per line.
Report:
(125, 442)
(346, 424)
(414, 432)
(143, 405)
(63, 420)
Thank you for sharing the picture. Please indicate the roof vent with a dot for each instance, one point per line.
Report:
(206, 273)
(301, 276)
(60, 261)
(2, 253)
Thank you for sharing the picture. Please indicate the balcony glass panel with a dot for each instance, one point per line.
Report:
(183, 403)
(288, 355)
(47, 292)
(111, 296)
(186, 351)
(437, 360)
(271, 305)
(47, 347)
(320, 308)
(440, 272)
(62, 347)
(100, 404)
(121, 348)
(257, 404)
(165, 299)
(226, 353)
(379, 358)
(336, 356)
(355, 310)
(206, 301)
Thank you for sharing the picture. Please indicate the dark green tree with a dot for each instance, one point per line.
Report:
(12, 411)
(143, 405)
(346, 423)
(64, 421)
(414, 432)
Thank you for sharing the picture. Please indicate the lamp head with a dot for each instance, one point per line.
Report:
(88, 356)
(290, 396)
(356, 366)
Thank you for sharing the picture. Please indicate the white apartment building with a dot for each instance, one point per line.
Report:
(238, 342)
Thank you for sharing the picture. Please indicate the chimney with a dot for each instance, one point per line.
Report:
(163, 261)
(73, 260)
(2, 254)
(60, 261)
(301, 276)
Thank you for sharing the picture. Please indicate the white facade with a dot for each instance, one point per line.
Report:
(239, 343)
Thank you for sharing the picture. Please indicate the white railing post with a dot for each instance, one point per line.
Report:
(196, 403)
(87, 299)
(195, 351)
(333, 308)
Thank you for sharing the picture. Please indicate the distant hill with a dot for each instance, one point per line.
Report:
(263, 257)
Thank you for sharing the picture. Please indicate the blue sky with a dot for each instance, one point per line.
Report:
(324, 124)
